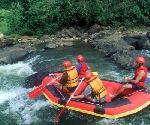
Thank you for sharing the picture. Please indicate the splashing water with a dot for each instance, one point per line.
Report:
(13, 97)
(24, 109)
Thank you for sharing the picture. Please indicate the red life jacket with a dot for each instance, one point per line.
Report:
(83, 69)
(136, 73)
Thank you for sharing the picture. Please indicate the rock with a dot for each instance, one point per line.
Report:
(65, 44)
(7, 42)
(32, 41)
(50, 46)
(12, 55)
(148, 35)
(139, 42)
(70, 32)
(146, 45)
(1, 35)
(94, 29)
(115, 47)
(74, 39)
(85, 40)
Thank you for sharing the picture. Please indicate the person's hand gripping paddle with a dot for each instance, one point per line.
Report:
(37, 91)
(63, 109)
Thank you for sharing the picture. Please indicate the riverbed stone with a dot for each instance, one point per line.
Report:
(50, 46)
(12, 54)
(148, 35)
(138, 41)
(7, 42)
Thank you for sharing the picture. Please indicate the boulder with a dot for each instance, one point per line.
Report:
(29, 40)
(12, 54)
(148, 35)
(94, 29)
(5, 42)
(115, 47)
(51, 46)
(138, 41)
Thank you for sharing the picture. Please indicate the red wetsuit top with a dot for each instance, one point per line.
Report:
(136, 73)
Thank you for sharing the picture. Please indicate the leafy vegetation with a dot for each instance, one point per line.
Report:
(36, 17)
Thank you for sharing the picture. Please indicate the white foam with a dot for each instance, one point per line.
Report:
(145, 52)
(109, 122)
(9, 95)
(49, 60)
(27, 112)
(20, 105)
(33, 60)
(18, 69)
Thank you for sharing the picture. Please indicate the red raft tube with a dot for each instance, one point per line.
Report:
(118, 107)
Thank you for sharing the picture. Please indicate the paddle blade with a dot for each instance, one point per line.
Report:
(37, 91)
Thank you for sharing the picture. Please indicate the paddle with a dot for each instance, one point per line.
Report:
(37, 91)
(62, 110)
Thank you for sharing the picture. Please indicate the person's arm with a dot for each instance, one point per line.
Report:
(138, 78)
(78, 97)
(64, 78)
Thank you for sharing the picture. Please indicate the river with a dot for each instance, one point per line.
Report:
(17, 109)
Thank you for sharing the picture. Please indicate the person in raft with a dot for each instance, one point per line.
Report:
(95, 90)
(140, 75)
(69, 79)
(82, 67)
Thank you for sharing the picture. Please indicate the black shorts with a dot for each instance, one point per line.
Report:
(135, 87)
(71, 89)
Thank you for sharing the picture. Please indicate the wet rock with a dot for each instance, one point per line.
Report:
(7, 42)
(148, 35)
(66, 44)
(12, 54)
(50, 46)
(146, 45)
(138, 41)
(113, 46)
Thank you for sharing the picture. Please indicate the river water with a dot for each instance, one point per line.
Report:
(17, 109)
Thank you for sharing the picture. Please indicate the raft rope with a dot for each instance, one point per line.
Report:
(139, 90)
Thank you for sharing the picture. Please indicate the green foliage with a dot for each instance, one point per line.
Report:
(47, 16)
(15, 19)
(3, 20)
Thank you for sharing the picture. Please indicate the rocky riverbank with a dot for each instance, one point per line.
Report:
(13, 49)
(121, 46)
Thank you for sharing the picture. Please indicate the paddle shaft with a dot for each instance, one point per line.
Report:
(62, 110)
(37, 91)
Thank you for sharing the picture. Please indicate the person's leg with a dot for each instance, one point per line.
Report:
(61, 87)
(126, 86)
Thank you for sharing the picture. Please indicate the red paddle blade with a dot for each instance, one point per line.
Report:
(37, 91)
(59, 114)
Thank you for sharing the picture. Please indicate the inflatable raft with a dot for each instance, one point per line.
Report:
(127, 103)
